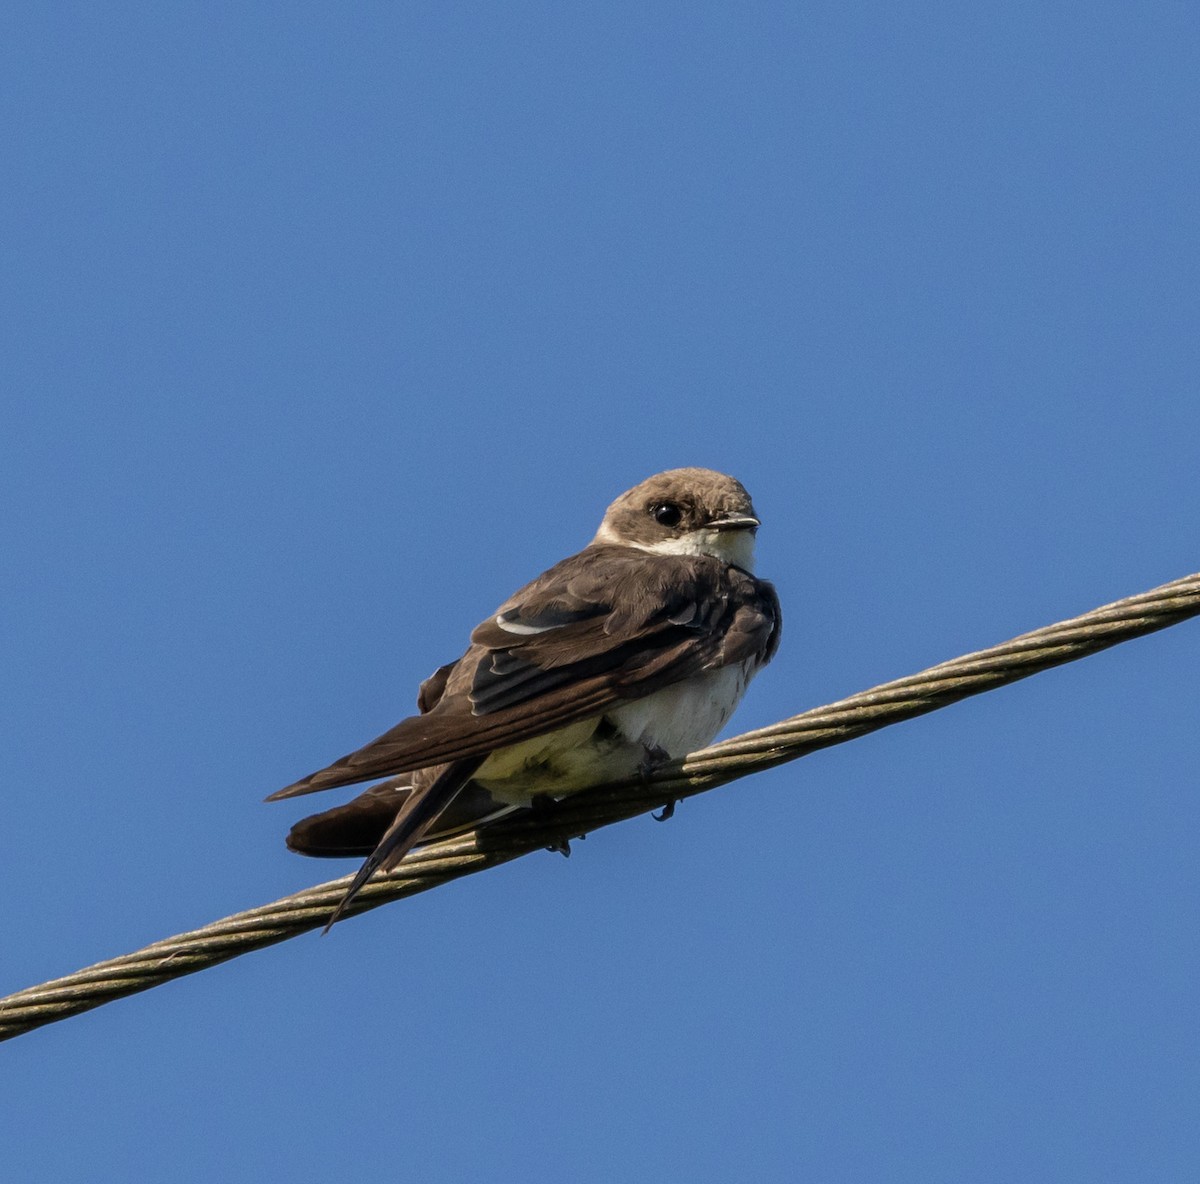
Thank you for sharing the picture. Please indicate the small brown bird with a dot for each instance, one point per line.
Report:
(634, 651)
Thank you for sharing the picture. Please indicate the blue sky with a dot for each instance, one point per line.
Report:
(324, 328)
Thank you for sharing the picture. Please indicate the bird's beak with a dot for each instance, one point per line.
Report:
(735, 522)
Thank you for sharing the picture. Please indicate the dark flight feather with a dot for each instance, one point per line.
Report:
(629, 628)
(417, 814)
(356, 827)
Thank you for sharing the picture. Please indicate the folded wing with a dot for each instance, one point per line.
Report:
(601, 628)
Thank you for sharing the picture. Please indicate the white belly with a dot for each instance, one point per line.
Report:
(686, 716)
(676, 720)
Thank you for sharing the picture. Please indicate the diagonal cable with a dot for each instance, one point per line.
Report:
(751, 752)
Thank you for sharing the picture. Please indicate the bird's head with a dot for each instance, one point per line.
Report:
(685, 512)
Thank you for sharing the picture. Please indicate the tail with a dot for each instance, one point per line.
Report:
(357, 827)
(354, 828)
(419, 810)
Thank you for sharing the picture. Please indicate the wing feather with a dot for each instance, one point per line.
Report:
(603, 629)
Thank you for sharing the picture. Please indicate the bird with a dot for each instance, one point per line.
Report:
(632, 652)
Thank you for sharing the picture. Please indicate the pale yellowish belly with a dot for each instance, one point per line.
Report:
(676, 720)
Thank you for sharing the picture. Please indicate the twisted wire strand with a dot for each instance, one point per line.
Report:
(437, 864)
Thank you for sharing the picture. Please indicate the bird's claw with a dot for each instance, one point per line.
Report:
(653, 757)
(543, 804)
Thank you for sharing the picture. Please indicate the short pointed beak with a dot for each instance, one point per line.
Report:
(735, 522)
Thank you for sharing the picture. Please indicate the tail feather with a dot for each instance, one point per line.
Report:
(417, 813)
(357, 827)
(353, 828)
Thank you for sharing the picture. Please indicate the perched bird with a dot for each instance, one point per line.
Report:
(632, 652)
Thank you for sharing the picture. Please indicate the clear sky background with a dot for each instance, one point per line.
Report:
(325, 327)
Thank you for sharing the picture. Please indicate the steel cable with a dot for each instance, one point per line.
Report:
(751, 752)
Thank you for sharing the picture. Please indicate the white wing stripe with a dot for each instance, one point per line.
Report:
(524, 630)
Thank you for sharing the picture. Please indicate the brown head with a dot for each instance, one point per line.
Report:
(685, 512)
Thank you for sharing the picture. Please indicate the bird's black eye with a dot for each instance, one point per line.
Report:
(666, 513)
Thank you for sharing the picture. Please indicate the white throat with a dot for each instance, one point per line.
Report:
(729, 546)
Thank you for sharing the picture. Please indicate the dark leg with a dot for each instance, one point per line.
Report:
(655, 757)
(542, 804)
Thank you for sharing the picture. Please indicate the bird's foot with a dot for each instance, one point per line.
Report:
(542, 804)
(653, 757)
(656, 756)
